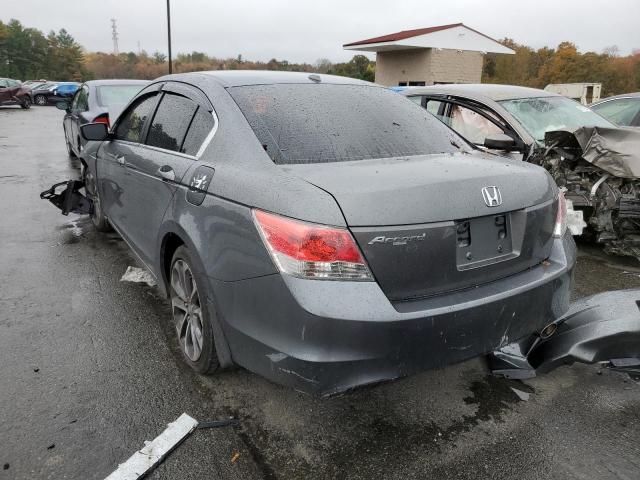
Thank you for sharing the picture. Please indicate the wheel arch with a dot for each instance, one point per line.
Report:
(172, 236)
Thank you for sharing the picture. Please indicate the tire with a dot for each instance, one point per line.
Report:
(69, 148)
(26, 103)
(100, 222)
(191, 317)
(40, 100)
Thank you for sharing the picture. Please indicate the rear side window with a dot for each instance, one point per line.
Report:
(316, 123)
(201, 126)
(171, 122)
(130, 128)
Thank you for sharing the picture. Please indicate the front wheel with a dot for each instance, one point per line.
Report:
(191, 316)
(98, 218)
(26, 103)
(40, 100)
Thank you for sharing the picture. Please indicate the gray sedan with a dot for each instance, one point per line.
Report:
(322, 231)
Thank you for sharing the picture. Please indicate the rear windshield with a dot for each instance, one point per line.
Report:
(311, 123)
(116, 94)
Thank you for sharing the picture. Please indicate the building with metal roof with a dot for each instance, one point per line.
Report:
(426, 56)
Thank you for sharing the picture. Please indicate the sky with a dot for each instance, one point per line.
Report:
(305, 31)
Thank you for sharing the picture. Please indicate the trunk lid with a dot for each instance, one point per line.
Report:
(424, 227)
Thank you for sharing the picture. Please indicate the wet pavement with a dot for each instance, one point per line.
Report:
(90, 370)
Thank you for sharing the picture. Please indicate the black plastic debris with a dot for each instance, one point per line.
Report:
(69, 199)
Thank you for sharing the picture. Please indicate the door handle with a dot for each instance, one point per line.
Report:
(167, 173)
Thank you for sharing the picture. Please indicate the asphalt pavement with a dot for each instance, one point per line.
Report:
(90, 370)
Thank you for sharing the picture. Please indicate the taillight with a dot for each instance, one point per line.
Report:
(103, 118)
(308, 250)
(561, 218)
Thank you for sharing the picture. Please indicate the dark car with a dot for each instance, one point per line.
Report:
(623, 110)
(13, 93)
(323, 231)
(95, 101)
(40, 94)
(582, 150)
(52, 93)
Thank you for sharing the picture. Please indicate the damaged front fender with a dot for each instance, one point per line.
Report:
(601, 328)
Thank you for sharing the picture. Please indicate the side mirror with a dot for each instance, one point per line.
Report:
(501, 141)
(94, 132)
(63, 106)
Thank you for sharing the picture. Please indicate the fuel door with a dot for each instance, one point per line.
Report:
(199, 184)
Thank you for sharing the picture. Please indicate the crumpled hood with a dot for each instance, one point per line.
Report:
(614, 150)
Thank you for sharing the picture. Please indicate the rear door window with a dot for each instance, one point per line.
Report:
(201, 126)
(81, 100)
(316, 123)
(171, 121)
(131, 125)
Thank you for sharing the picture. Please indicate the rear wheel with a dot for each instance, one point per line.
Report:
(26, 103)
(40, 100)
(191, 316)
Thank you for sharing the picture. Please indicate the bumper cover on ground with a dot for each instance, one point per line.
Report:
(601, 328)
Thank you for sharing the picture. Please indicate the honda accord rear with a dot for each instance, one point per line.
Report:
(334, 233)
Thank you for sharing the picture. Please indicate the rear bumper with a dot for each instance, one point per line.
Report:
(326, 337)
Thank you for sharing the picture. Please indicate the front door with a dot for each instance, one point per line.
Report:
(150, 171)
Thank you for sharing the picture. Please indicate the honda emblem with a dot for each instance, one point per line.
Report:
(492, 196)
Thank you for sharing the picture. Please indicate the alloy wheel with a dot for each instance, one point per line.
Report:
(187, 313)
(40, 100)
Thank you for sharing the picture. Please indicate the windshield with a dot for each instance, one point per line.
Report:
(116, 94)
(311, 123)
(545, 114)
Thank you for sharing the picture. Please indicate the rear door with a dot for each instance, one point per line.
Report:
(153, 170)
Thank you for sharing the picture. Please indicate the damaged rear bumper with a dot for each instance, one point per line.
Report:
(601, 328)
(325, 337)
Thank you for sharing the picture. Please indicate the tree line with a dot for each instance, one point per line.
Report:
(564, 64)
(26, 53)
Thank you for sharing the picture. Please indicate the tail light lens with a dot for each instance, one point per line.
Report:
(561, 218)
(104, 118)
(308, 250)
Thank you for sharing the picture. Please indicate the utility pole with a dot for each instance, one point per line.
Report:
(114, 36)
(169, 35)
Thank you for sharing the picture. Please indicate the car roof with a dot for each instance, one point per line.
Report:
(97, 83)
(491, 91)
(622, 95)
(236, 78)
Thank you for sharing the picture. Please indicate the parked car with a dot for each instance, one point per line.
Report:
(65, 90)
(41, 94)
(95, 101)
(561, 135)
(623, 110)
(33, 83)
(13, 93)
(324, 244)
(50, 94)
